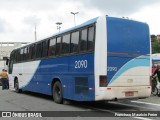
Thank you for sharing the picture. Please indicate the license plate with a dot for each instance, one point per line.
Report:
(127, 94)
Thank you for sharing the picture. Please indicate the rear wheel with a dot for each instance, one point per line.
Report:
(155, 91)
(57, 92)
(16, 86)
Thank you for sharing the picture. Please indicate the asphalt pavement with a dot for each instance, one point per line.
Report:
(28, 101)
(151, 99)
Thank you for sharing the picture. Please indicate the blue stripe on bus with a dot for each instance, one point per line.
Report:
(64, 69)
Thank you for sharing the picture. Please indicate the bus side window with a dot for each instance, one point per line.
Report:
(39, 50)
(26, 54)
(52, 47)
(12, 58)
(91, 33)
(58, 46)
(83, 41)
(44, 48)
(32, 52)
(66, 44)
(74, 42)
(21, 54)
(18, 55)
(15, 57)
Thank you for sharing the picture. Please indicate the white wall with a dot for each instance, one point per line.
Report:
(3, 65)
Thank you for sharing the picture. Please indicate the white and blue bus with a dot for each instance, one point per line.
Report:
(105, 58)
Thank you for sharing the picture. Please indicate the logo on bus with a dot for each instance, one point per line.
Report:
(111, 69)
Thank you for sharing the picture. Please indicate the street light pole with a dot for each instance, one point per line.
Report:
(58, 25)
(74, 13)
(35, 33)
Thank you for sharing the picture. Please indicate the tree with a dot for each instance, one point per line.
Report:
(155, 44)
(153, 38)
(155, 47)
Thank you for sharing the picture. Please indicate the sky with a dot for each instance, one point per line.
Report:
(18, 18)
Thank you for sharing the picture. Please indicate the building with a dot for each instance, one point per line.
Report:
(5, 50)
(158, 37)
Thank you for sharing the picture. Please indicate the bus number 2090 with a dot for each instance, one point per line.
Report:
(81, 64)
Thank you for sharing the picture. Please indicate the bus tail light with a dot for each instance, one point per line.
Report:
(102, 81)
(108, 88)
(150, 80)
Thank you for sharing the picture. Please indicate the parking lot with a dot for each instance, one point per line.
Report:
(151, 99)
(28, 101)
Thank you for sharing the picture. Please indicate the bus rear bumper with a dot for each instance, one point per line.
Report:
(116, 93)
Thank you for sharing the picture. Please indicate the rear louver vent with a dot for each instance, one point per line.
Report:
(81, 85)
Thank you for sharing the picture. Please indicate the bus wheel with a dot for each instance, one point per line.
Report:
(57, 92)
(16, 86)
(155, 91)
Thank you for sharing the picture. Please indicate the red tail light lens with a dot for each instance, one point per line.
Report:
(102, 81)
(150, 80)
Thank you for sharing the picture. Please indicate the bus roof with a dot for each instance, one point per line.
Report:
(78, 26)
(91, 21)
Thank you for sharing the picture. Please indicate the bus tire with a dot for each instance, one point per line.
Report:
(16, 86)
(57, 92)
(155, 91)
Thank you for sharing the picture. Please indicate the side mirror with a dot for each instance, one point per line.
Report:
(7, 61)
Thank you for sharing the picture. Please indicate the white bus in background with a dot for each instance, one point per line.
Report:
(156, 59)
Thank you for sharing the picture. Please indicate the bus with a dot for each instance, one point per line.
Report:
(103, 59)
(156, 59)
